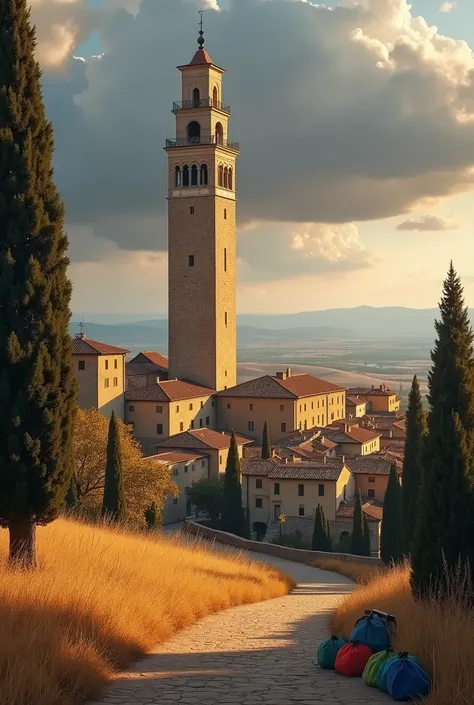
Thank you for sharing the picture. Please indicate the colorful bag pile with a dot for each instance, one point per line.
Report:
(352, 659)
(373, 632)
(374, 664)
(328, 650)
(405, 679)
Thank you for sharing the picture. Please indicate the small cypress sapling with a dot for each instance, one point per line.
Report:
(232, 515)
(328, 536)
(113, 505)
(391, 540)
(357, 538)
(266, 445)
(319, 542)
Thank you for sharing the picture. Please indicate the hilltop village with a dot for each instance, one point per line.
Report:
(327, 442)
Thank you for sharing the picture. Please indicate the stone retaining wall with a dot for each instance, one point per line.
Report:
(291, 554)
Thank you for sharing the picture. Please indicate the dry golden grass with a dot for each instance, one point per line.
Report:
(102, 597)
(440, 635)
(358, 572)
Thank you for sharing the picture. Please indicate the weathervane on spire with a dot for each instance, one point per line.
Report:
(201, 40)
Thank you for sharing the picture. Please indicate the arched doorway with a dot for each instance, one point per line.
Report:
(194, 132)
(196, 97)
(219, 133)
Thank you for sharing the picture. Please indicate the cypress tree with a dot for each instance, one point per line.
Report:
(328, 536)
(232, 516)
(391, 540)
(37, 384)
(357, 538)
(416, 430)
(320, 538)
(113, 505)
(367, 548)
(443, 532)
(266, 445)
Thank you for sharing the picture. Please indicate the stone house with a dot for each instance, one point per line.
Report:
(146, 368)
(371, 476)
(186, 466)
(381, 400)
(350, 439)
(355, 406)
(342, 526)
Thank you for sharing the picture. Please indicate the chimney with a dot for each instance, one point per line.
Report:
(280, 375)
(286, 461)
(288, 372)
(325, 460)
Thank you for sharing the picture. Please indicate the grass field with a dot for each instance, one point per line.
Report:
(440, 635)
(102, 597)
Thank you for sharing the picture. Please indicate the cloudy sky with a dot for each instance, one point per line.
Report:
(356, 125)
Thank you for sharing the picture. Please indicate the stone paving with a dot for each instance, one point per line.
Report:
(263, 654)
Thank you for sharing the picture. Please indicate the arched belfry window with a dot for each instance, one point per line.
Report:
(215, 97)
(185, 175)
(226, 178)
(194, 132)
(194, 175)
(204, 175)
(177, 177)
(220, 181)
(196, 97)
(219, 133)
(231, 180)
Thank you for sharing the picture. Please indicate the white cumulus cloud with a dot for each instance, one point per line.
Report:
(447, 6)
(428, 223)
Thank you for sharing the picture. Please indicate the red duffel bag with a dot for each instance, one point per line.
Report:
(352, 659)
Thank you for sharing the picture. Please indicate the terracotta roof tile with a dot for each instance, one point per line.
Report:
(355, 400)
(276, 470)
(168, 390)
(382, 391)
(200, 57)
(293, 387)
(373, 510)
(86, 346)
(201, 438)
(178, 456)
(153, 357)
(368, 465)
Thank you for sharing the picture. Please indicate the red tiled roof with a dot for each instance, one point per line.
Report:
(151, 356)
(368, 465)
(293, 387)
(373, 510)
(382, 391)
(354, 434)
(86, 346)
(178, 456)
(168, 390)
(355, 400)
(276, 470)
(201, 57)
(201, 438)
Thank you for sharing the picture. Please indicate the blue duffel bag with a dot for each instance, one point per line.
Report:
(373, 632)
(405, 678)
(381, 679)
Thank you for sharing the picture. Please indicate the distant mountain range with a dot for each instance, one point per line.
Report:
(347, 323)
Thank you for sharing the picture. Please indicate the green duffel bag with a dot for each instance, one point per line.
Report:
(373, 664)
(328, 650)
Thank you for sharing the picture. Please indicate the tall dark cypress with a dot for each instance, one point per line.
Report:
(444, 530)
(113, 505)
(232, 515)
(266, 445)
(391, 539)
(357, 538)
(320, 539)
(416, 431)
(37, 385)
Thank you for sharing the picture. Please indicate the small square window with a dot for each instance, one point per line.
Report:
(200, 423)
(81, 365)
(185, 468)
(259, 503)
(305, 407)
(191, 210)
(191, 407)
(159, 429)
(258, 484)
(207, 421)
(202, 404)
(203, 463)
(228, 406)
(159, 409)
(220, 460)
(321, 490)
(191, 261)
(175, 500)
(251, 426)
(283, 427)
(181, 426)
(115, 381)
(251, 407)
(276, 488)
(106, 364)
(225, 213)
(371, 493)
(371, 479)
(177, 409)
(175, 471)
(106, 383)
(213, 403)
(192, 424)
(225, 318)
(301, 510)
(300, 490)
(115, 364)
(131, 408)
(282, 407)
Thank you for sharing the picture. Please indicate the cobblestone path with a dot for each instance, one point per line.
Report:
(251, 655)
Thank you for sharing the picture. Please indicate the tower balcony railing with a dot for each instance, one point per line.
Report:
(202, 103)
(197, 141)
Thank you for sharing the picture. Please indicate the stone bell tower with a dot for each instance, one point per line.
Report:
(202, 230)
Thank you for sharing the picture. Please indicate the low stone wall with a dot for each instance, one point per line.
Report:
(297, 555)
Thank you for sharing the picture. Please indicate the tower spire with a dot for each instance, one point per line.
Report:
(201, 41)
